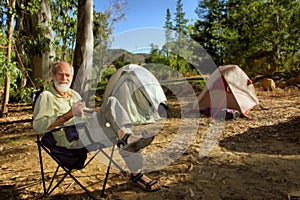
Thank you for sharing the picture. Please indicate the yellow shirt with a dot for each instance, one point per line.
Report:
(48, 107)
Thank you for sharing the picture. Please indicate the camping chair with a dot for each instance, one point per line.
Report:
(77, 159)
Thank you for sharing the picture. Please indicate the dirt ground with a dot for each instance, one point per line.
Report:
(254, 158)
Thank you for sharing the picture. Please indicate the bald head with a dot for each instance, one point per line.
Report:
(62, 64)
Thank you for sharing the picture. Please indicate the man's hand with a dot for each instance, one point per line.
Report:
(77, 108)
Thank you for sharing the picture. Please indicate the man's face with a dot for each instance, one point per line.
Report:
(62, 77)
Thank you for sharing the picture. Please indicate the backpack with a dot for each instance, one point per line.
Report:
(35, 96)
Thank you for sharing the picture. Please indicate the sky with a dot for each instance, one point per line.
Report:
(148, 13)
(144, 21)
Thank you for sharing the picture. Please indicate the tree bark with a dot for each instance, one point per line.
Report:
(41, 62)
(83, 57)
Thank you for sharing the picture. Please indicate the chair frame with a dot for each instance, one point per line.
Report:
(50, 188)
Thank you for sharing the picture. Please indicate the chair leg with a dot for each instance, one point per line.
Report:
(47, 190)
(75, 179)
(41, 165)
(58, 183)
(107, 172)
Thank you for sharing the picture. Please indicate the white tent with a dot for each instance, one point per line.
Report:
(228, 87)
(138, 91)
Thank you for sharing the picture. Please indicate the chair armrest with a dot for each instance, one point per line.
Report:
(82, 124)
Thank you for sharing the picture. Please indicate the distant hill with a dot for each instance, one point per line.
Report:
(125, 56)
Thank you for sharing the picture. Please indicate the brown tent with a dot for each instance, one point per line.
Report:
(228, 87)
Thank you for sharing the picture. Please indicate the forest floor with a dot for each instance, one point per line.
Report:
(252, 158)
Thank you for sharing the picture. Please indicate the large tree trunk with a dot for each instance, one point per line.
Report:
(4, 109)
(83, 58)
(41, 62)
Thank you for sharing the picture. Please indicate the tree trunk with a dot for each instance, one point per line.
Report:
(42, 61)
(5, 101)
(83, 58)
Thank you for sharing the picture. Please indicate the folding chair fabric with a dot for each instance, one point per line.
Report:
(70, 158)
(79, 164)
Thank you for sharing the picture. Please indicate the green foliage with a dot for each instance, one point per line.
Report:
(3, 59)
(3, 17)
(22, 95)
(107, 73)
(32, 40)
(64, 25)
(16, 94)
(104, 22)
(32, 6)
(180, 20)
(157, 56)
(174, 61)
(168, 32)
(102, 28)
(261, 36)
(160, 71)
(119, 63)
(177, 52)
(100, 86)
(3, 68)
(8, 68)
(37, 43)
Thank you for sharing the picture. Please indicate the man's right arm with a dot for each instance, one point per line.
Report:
(45, 119)
(60, 120)
(76, 110)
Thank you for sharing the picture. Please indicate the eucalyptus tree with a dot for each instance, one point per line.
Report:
(64, 25)
(43, 54)
(104, 22)
(35, 37)
(83, 57)
(9, 71)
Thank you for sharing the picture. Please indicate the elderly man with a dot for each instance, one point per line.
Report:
(60, 105)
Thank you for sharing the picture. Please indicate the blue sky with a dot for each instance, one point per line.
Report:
(148, 13)
(144, 22)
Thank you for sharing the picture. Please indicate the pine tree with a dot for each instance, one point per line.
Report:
(181, 45)
(259, 35)
(207, 28)
(180, 20)
(168, 32)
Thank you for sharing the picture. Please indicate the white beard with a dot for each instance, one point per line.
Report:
(62, 87)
